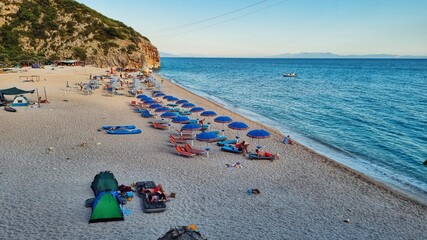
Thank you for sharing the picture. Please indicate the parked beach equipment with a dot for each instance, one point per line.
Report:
(258, 134)
(223, 120)
(238, 126)
(207, 137)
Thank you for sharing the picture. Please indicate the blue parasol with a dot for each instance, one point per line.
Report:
(163, 109)
(168, 115)
(197, 109)
(181, 101)
(223, 120)
(155, 106)
(207, 137)
(149, 101)
(172, 99)
(188, 105)
(142, 96)
(181, 119)
(159, 94)
(258, 134)
(238, 126)
(156, 91)
(167, 96)
(208, 114)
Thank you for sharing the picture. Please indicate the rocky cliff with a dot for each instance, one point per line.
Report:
(43, 30)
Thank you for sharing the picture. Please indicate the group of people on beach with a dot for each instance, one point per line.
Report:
(156, 194)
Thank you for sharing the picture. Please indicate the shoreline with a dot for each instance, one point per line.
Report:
(398, 191)
(43, 191)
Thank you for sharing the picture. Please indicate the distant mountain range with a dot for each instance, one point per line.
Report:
(314, 55)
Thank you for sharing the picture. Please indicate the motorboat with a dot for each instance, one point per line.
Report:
(290, 75)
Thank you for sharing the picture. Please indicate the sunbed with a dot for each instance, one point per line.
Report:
(175, 140)
(159, 126)
(149, 207)
(188, 148)
(124, 131)
(231, 148)
(183, 152)
(253, 156)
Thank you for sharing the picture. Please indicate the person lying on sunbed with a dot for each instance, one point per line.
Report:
(155, 194)
(260, 153)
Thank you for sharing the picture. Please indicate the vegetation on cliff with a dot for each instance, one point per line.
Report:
(48, 30)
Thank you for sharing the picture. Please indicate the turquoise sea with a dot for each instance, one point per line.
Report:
(369, 114)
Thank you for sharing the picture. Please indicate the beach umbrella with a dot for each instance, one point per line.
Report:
(156, 91)
(207, 137)
(258, 134)
(197, 109)
(149, 101)
(159, 95)
(208, 114)
(162, 109)
(181, 101)
(155, 106)
(142, 96)
(167, 96)
(188, 105)
(169, 115)
(181, 119)
(172, 99)
(190, 127)
(223, 120)
(238, 126)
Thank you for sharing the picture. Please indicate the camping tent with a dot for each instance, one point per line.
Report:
(20, 101)
(106, 207)
(107, 204)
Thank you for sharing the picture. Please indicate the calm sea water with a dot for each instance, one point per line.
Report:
(370, 115)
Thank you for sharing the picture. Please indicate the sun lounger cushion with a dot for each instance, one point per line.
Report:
(226, 142)
(230, 148)
(253, 156)
(124, 131)
(149, 207)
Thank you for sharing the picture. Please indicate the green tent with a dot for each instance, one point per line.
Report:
(106, 207)
(104, 181)
(107, 204)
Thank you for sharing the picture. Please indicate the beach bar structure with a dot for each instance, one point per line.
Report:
(69, 62)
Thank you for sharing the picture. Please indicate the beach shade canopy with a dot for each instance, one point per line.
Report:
(181, 119)
(191, 127)
(238, 126)
(208, 114)
(14, 91)
(207, 137)
(156, 91)
(258, 134)
(197, 109)
(155, 106)
(169, 115)
(163, 109)
(181, 101)
(223, 120)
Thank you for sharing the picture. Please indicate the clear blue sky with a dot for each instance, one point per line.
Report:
(274, 27)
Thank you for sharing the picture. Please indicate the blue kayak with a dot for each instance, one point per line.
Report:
(124, 131)
(119, 127)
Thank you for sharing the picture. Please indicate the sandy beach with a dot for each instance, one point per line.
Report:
(303, 194)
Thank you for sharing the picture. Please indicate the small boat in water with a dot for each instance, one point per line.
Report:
(290, 75)
(9, 109)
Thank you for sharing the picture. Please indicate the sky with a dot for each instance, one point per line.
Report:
(259, 28)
